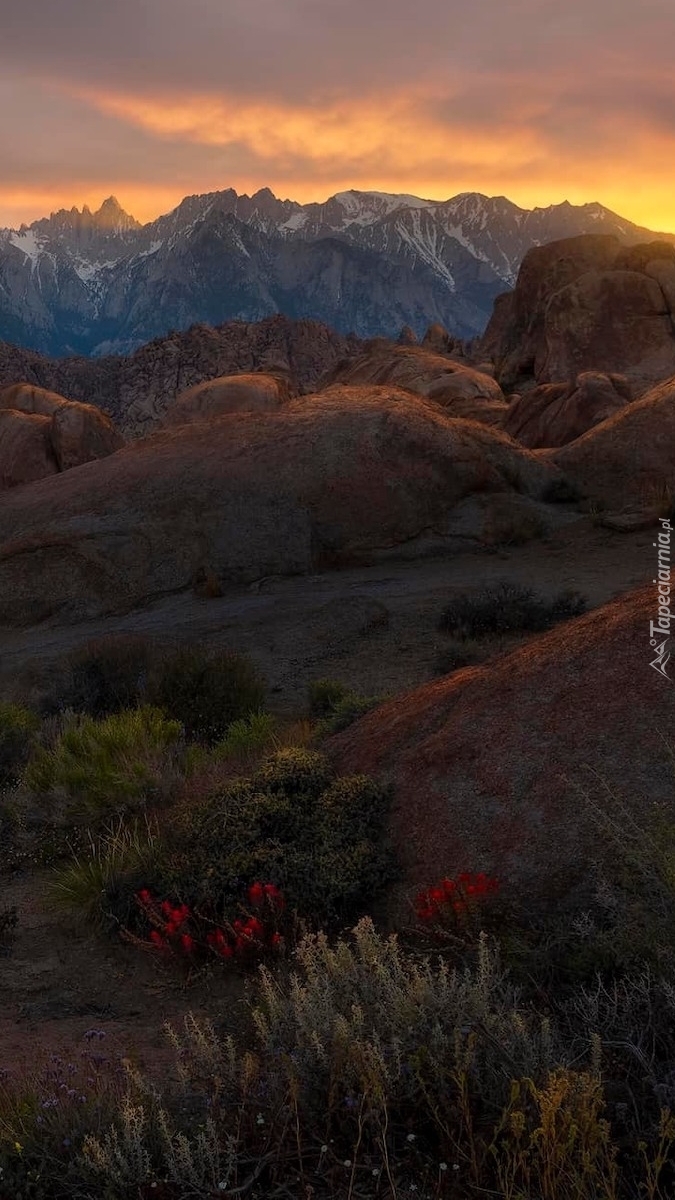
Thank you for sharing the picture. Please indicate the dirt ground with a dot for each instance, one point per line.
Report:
(61, 979)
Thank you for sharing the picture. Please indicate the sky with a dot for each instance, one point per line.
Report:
(153, 100)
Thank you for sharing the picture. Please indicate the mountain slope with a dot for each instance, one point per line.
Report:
(367, 262)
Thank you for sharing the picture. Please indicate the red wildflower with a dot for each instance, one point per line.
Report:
(254, 928)
(449, 886)
(275, 940)
(187, 943)
(225, 951)
(156, 938)
(256, 893)
(144, 896)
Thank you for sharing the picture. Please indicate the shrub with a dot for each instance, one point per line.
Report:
(324, 696)
(206, 692)
(319, 838)
(507, 608)
(108, 866)
(345, 712)
(106, 675)
(18, 727)
(97, 769)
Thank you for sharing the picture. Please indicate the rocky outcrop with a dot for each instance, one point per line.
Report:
(588, 303)
(630, 458)
(491, 765)
(439, 341)
(556, 413)
(248, 495)
(459, 389)
(231, 393)
(26, 451)
(75, 433)
(136, 391)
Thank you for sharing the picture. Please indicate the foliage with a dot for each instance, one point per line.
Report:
(18, 727)
(293, 823)
(106, 867)
(325, 695)
(98, 769)
(506, 608)
(206, 691)
(458, 653)
(107, 675)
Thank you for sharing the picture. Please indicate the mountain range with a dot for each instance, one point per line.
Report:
(363, 262)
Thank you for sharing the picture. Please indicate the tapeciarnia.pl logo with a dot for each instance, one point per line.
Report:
(662, 625)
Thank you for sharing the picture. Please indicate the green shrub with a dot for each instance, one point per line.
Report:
(97, 769)
(106, 675)
(246, 736)
(346, 711)
(320, 839)
(206, 692)
(18, 727)
(324, 696)
(112, 865)
(507, 608)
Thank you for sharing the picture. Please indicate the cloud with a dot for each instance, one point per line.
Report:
(153, 99)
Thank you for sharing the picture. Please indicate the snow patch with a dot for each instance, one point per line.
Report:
(27, 242)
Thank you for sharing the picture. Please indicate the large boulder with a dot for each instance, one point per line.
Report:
(553, 414)
(458, 388)
(491, 765)
(630, 458)
(78, 432)
(228, 394)
(587, 303)
(345, 472)
(26, 452)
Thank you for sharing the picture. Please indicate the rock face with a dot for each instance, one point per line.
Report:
(230, 393)
(489, 764)
(456, 387)
(249, 495)
(136, 391)
(630, 458)
(587, 303)
(26, 451)
(74, 433)
(556, 413)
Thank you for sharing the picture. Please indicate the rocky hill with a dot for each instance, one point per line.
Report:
(137, 389)
(367, 262)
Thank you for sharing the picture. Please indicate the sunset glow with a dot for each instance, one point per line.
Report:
(534, 104)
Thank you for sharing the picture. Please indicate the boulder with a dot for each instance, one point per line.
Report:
(26, 451)
(458, 388)
(628, 459)
(553, 414)
(439, 341)
(228, 394)
(587, 303)
(251, 494)
(78, 432)
(492, 765)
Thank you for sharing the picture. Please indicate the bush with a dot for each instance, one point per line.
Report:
(348, 710)
(318, 838)
(106, 675)
(18, 727)
(206, 692)
(507, 608)
(98, 769)
(324, 696)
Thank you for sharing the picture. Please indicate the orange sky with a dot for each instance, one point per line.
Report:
(163, 98)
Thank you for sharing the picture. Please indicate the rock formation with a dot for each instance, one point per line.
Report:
(231, 393)
(553, 414)
(587, 303)
(247, 495)
(630, 458)
(490, 765)
(57, 434)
